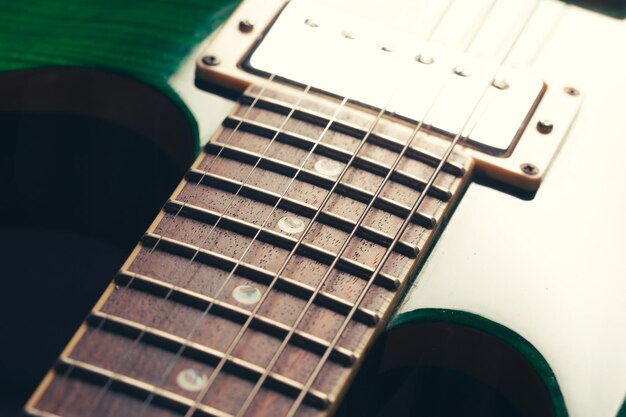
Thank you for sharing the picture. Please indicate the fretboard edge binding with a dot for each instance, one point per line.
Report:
(35, 412)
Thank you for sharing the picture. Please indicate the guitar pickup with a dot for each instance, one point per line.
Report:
(500, 114)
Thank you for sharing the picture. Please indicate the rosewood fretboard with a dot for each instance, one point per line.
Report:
(258, 288)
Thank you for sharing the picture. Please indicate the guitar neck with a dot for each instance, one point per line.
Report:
(266, 276)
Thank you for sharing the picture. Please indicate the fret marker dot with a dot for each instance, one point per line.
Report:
(191, 380)
(291, 224)
(247, 294)
(328, 167)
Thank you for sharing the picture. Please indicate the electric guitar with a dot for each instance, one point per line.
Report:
(408, 208)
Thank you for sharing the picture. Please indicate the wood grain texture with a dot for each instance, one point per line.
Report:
(174, 306)
(142, 38)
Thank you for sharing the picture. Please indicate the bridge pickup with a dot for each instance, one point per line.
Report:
(451, 93)
(509, 121)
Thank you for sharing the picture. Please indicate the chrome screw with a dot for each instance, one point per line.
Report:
(425, 59)
(545, 126)
(462, 71)
(529, 169)
(500, 84)
(246, 26)
(211, 60)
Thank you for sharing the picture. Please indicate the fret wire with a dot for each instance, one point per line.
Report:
(254, 102)
(428, 187)
(299, 242)
(398, 235)
(198, 352)
(267, 84)
(342, 155)
(243, 227)
(318, 180)
(134, 387)
(152, 249)
(301, 96)
(212, 378)
(264, 196)
(353, 130)
(216, 158)
(262, 90)
(237, 314)
(226, 263)
(272, 76)
(257, 163)
(204, 391)
(290, 286)
(363, 292)
(137, 388)
(334, 263)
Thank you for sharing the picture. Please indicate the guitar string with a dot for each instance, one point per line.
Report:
(564, 7)
(191, 261)
(225, 212)
(161, 312)
(310, 301)
(231, 135)
(307, 386)
(239, 261)
(70, 368)
(195, 185)
(250, 397)
(215, 372)
(220, 149)
(205, 172)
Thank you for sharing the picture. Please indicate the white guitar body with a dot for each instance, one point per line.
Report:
(549, 271)
(553, 269)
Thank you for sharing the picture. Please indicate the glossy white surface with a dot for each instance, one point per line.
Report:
(553, 269)
(342, 52)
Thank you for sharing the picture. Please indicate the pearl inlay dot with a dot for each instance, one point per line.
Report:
(247, 294)
(191, 380)
(290, 224)
(328, 167)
